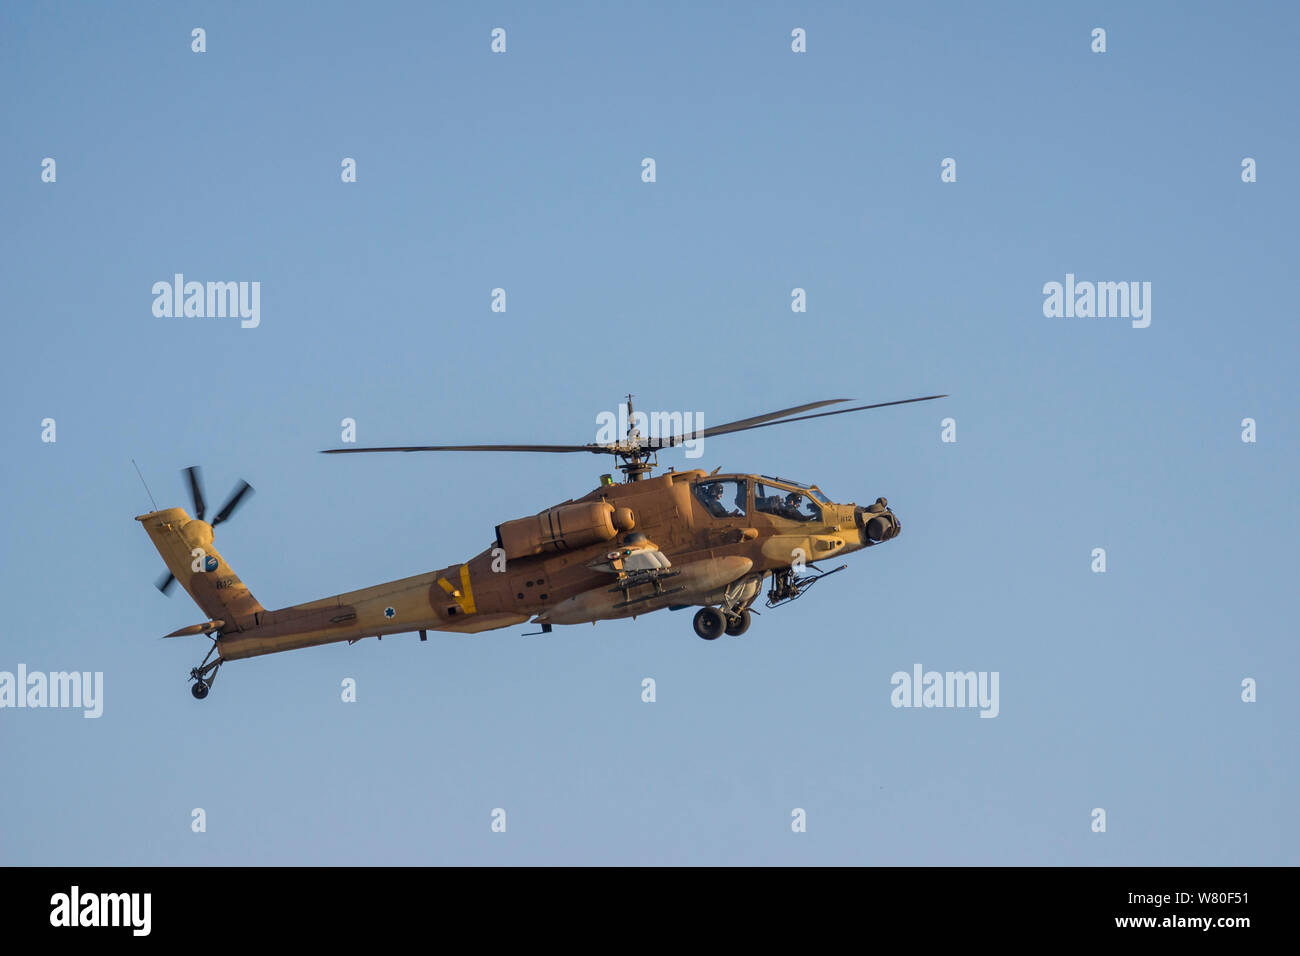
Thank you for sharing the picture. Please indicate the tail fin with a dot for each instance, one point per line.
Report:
(186, 546)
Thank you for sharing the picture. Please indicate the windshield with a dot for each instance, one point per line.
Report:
(784, 501)
(812, 490)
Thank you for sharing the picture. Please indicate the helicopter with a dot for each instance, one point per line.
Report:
(677, 540)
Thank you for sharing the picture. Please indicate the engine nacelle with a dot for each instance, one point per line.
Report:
(563, 529)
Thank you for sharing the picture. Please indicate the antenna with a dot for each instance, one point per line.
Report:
(146, 487)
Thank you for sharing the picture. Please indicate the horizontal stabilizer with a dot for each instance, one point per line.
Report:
(193, 629)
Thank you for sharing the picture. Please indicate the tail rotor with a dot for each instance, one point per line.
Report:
(194, 478)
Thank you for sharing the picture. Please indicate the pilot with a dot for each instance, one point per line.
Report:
(713, 500)
(790, 508)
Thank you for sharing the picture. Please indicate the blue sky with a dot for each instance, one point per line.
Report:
(775, 170)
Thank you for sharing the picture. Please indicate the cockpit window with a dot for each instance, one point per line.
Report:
(795, 504)
(789, 484)
(723, 497)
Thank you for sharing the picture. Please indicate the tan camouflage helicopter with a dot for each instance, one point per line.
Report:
(681, 539)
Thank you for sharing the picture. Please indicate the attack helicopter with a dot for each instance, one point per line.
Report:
(677, 540)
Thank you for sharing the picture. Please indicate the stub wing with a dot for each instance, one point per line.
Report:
(637, 553)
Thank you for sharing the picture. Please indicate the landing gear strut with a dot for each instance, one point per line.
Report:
(206, 673)
(733, 615)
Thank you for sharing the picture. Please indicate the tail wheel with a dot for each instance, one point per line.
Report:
(709, 623)
(739, 624)
(199, 690)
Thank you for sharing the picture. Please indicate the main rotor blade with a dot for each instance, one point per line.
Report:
(195, 475)
(762, 421)
(723, 429)
(739, 424)
(232, 502)
(596, 449)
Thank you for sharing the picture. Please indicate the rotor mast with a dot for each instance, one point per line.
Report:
(637, 462)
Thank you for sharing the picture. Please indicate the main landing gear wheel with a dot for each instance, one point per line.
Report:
(709, 623)
(739, 624)
(204, 675)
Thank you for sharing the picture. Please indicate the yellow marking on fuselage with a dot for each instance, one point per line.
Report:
(463, 597)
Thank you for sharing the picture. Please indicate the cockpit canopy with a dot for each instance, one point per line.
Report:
(737, 496)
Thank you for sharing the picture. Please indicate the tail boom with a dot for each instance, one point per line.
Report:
(246, 629)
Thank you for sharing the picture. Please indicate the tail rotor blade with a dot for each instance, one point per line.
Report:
(239, 495)
(195, 476)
